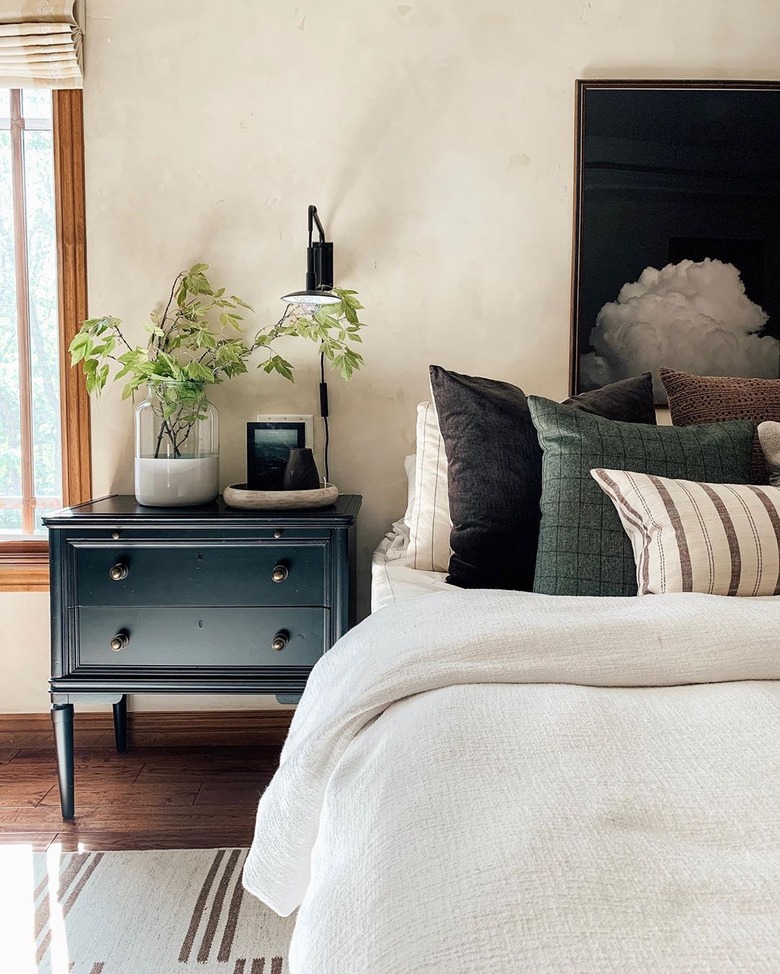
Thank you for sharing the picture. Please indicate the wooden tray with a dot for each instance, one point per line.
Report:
(238, 495)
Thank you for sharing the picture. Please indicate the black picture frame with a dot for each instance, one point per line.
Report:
(268, 448)
(668, 172)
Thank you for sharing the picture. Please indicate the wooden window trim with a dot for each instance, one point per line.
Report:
(24, 565)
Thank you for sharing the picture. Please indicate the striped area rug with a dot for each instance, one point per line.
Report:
(168, 912)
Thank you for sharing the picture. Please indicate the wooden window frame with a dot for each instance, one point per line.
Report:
(24, 565)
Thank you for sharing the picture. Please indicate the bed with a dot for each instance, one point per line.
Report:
(522, 783)
(517, 783)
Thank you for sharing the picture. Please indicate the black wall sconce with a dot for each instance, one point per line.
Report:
(318, 292)
(319, 270)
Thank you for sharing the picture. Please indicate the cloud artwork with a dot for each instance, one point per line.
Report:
(695, 317)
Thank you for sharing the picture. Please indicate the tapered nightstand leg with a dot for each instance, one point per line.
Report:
(62, 719)
(120, 724)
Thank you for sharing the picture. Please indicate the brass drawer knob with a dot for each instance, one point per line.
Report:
(280, 641)
(119, 571)
(119, 642)
(280, 573)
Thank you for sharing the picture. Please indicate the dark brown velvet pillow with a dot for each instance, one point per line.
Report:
(494, 465)
(695, 399)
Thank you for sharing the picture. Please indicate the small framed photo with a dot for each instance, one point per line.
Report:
(268, 445)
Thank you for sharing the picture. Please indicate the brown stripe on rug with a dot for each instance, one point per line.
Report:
(258, 966)
(43, 885)
(73, 870)
(42, 913)
(95, 858)
(200, 903)
(216, 908)
(116, 912)
(232, 919)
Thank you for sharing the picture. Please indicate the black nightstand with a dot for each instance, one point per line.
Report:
(191, 600)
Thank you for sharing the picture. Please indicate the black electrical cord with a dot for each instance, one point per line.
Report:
(324, 414)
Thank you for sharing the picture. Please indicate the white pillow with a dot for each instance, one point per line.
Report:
(410, 467)
(720, 539)
(769, 437)
(429, 542)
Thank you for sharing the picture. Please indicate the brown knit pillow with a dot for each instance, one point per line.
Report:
(697, 399)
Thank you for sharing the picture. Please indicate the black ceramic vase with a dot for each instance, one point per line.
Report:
(301, 471)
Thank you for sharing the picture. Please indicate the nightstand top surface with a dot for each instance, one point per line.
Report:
(124, 507)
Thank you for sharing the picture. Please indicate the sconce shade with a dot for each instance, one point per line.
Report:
(312, 298)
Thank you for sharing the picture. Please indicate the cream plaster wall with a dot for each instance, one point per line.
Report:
(436, 138)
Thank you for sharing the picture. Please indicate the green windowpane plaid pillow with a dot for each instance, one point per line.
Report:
(583, 549)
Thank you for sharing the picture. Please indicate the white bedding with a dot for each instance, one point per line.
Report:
(504, 782)
(392, 580)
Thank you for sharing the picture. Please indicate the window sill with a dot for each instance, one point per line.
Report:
(24, 566)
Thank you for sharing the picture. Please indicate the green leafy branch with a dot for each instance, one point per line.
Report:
(198, 341)
(185, 347)
(333, 327)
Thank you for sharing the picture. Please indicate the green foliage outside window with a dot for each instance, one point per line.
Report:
(39, 212)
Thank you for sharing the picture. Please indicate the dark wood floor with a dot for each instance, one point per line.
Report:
(147, 798)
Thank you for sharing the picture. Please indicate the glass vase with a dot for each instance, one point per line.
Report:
(176, 449)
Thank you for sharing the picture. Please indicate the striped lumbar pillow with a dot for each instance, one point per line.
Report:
(721, 539)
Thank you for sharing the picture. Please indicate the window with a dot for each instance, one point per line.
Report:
(30, 449)
(44, 417)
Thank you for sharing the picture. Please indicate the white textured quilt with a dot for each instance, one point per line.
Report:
(500, 782)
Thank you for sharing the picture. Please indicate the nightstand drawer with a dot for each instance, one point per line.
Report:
(192, 638)
(201, 574)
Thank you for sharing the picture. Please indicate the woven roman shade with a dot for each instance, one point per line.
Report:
(40, 44)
